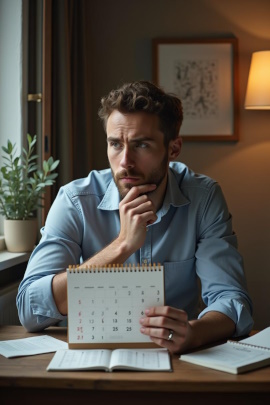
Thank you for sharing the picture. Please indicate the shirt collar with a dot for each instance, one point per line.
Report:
(111, 199)
(173, 196)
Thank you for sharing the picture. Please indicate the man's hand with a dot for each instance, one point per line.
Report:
(136, 212)
(161, 322)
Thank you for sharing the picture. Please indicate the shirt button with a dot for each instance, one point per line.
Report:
(145, 261)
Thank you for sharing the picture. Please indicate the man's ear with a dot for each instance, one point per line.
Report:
(174, 149)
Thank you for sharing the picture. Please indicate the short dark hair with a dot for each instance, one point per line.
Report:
(145, 97)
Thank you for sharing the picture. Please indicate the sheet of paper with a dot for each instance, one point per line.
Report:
(80, 359)
(31, 346)
(259, 339)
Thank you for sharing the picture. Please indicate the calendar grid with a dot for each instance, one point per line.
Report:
(106, 303)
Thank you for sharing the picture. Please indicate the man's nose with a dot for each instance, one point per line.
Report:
(127, 159)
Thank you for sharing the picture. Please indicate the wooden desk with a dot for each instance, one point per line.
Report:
(26, 380)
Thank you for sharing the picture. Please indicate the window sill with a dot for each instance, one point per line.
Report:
(8, 259)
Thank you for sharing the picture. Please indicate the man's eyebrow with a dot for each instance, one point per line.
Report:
(143, 139)
(138, 139)
(111, 138)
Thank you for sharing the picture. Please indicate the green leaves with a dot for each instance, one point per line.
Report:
(22, 182)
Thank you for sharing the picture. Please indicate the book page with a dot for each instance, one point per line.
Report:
(80, 360)
(141, 359)
(31, 346)
(261, 339)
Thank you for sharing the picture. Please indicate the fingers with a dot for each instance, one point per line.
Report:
(141, 211)
(142, 202)
(162, 332)
(136, 212)
(167, 312)
(177, 322)
(136, 202)
(136, 191)
(166, 326)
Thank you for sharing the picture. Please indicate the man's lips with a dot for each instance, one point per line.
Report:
(129, 179)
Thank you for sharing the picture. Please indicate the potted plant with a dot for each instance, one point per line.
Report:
(22, 185)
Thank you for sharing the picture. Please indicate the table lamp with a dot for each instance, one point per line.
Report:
(258, 87)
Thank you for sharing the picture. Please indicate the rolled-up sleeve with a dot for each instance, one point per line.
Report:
(55, 252)
(219, 264)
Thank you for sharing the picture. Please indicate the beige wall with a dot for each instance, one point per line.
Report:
(121, 34)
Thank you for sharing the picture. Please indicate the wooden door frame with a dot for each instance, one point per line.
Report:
(47, 97)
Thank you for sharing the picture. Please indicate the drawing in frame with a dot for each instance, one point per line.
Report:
(203, 73)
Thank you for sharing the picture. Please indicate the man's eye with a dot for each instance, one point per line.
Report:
(115, 145)
(142, 145)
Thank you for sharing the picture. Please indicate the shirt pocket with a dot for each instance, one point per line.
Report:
(181, 285)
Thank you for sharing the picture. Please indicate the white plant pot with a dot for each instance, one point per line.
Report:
(20, 235)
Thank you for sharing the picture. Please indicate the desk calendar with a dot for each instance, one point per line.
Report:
(105, 304)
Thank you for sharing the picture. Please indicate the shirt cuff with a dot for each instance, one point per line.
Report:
(238, 311)
(42, 303)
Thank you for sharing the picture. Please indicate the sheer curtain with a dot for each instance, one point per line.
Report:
(71, 101)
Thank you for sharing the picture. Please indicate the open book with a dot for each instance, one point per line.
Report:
(109, 360)
(235, 357)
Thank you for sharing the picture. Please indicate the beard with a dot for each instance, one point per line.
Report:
(156, 177)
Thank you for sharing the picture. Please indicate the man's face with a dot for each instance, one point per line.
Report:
(136, 150)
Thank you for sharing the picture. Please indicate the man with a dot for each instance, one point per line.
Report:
(145, 209)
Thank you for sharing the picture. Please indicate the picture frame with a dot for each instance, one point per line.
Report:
(203, 73)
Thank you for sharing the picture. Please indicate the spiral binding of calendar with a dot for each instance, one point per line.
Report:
(114, 268)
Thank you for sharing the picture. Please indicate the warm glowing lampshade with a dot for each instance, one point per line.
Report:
(258, 87)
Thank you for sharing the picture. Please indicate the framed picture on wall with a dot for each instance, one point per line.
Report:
(203, 73)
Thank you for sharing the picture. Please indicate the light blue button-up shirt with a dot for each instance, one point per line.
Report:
(192, 237)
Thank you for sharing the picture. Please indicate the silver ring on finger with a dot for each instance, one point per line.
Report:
(170, 335)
